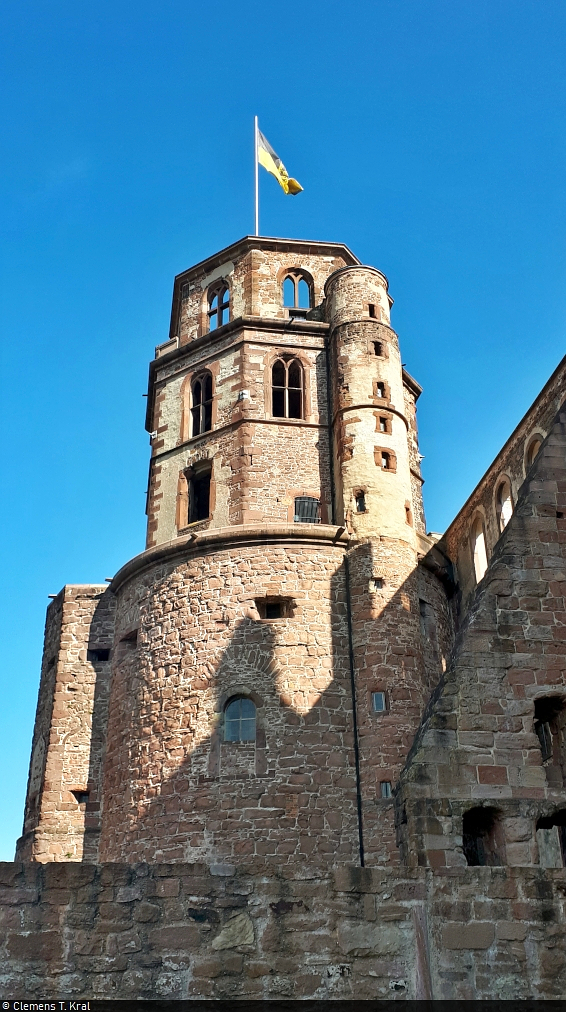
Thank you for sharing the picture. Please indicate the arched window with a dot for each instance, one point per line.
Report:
(307, 510)
(533, 450)
(479, 549)
(297, 294)
(218, 305)
(287, 388)
(240, 719)
(504, 504)
(201, 400)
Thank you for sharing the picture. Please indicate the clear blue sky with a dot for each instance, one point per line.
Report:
(428, 136)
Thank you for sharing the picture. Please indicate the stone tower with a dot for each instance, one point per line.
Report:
(285, 524)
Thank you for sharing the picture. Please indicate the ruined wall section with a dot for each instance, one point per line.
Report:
(477, 745)
(511, 462)
(70, 732)
(189, 931)
(174, 789)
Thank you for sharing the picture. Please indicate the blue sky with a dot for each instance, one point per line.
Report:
(428, 136)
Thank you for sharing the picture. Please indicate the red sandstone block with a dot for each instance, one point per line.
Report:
(492, 775)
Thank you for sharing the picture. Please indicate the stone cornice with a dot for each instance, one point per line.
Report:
(220, 538)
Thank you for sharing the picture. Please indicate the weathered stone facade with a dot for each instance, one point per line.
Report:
(408, 691)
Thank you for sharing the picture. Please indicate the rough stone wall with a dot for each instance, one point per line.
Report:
(510, 463)
(70, 730)
(190, 931)
(174, 790)
(477, 744)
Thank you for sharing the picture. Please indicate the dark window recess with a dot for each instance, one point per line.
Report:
(130, 639)
(376, 583)
(272, 607)
(385, 461)
(371, 309)
(380, 388)
(385, 788)
(547, 711)
(201, 410)
(479, 832)
(81, 797)
(307, 510)
(185, 291)
(240, 720)
(377, 348)
(382, 424)
(218, 306)
(360, 502)
(287, 389)
(378, 702)
(98, 654)
(558, 819)
(199, 495)
(408, 516)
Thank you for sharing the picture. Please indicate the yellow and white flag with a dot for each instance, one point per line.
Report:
(266, 156)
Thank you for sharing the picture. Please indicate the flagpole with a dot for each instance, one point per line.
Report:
(256, 179)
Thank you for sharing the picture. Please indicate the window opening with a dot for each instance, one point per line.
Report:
(296, 294)
(218, 307)
(382, 424)
(240, 720)
(504, 505)
(360, 502)
(130, 639)
(479, 549)
(377, 348)
(378, 702)
(371, 309)
(533, 451)
(81, 797)
(548, 710)
(199, 493)
(408, 515)
(98, 654)
(385, 788)
(274, 607)
(479, 836)
(287, 389)
(376, 583)
(201, 411)
(385, 458)
(307, 510)
(552, 846)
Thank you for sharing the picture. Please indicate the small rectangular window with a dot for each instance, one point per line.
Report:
(383, 424)
(380, 389)
(385, 461)
(360, 502)
(199, 495)
(378, 702)
(371, 308)
(98, 654)
(377, 348)
(274, 607)
(81, 797)
(376, 583)
(385, 788)
(544, 735)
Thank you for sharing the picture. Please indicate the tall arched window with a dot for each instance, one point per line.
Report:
(240, 719)
(479, 548)
(201, 404)
(287, 388)
(504, 504)
(297, 293)
(533, 450)
(218, 305)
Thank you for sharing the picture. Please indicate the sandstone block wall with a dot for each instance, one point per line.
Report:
(193, 931)
(70, 730)
(477, 744)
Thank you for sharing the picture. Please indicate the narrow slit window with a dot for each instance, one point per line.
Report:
(385, 461)
(382, 424)
(380, 388)
(385, 788)
(372, 312)
(378, 702)
(504, 505)
(201, 399)
(377, 348)
(479, 549)
(360, 502)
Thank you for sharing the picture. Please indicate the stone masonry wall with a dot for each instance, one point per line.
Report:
(174, 789)
(192, 931)
(477, 744)
(70, 731)
(510, 463)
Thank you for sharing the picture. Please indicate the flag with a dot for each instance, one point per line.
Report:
(266, 156)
